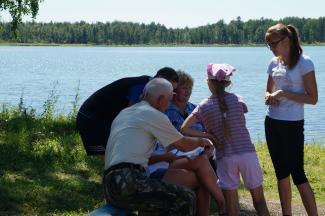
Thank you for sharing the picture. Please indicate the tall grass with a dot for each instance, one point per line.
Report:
(75, 103)
(43, 167)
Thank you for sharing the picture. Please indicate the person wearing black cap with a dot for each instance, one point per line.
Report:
(97, 113)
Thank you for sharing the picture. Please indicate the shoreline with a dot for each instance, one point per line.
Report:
(144, 45)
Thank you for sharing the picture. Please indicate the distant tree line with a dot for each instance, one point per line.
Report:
(128, 33)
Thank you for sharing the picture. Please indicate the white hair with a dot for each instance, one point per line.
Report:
(157, 87)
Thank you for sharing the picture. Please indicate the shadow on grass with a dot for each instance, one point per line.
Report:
(49, 178)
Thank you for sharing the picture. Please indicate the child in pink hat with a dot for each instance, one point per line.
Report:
(222, 114)
(220, 72)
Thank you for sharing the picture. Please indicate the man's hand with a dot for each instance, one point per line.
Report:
(207, 145)
(170, 157)
(217, 144)
(208, 152)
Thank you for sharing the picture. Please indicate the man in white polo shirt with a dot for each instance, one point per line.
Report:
(131, 142)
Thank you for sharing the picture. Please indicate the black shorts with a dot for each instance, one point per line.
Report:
(94, 134)
(285, 141)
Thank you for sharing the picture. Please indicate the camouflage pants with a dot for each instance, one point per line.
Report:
(131, 189)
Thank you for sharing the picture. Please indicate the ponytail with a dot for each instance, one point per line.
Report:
(295, 48)
(220, 92)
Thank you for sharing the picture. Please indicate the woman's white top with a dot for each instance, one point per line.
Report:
(290, 80)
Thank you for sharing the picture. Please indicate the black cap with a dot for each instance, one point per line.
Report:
(168, 73)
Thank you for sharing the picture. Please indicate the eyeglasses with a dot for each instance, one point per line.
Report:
(273, 45)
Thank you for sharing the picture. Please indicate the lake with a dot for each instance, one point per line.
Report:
(35, 71)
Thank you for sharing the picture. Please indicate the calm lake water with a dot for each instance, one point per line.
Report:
(35, 71)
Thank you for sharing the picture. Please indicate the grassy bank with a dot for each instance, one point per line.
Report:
(148, 45)
(44, 169)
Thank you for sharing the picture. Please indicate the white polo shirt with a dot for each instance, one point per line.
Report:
(134, 133)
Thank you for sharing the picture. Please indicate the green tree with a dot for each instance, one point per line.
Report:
(19, 8)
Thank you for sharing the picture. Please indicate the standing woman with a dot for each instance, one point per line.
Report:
(291, 84)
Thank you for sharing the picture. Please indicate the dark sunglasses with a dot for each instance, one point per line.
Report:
(273, 45)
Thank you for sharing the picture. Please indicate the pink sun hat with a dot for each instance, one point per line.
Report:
(220, 72)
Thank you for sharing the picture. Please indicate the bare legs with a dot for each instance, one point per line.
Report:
(232, 202)
(188, 179)
(181, 177)
(308, 198)
(259, 201)
(203, 201)
(306, 194)
(284, 189)
(206, 176)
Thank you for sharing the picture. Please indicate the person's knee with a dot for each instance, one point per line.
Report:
(201, 160)
(282, 173)
(299, 177)
(199, 163)
(181, 177)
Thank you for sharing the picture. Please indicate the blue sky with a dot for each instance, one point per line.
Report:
(174, 13)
